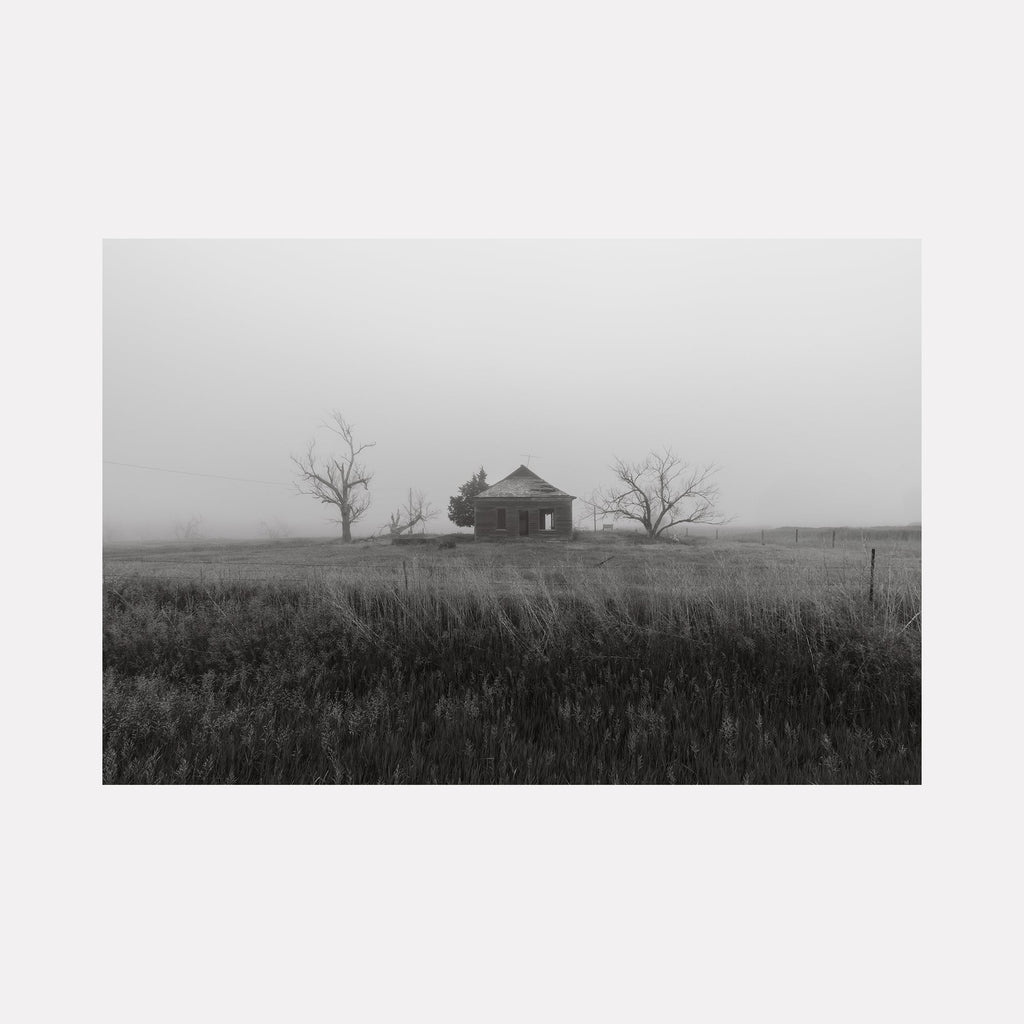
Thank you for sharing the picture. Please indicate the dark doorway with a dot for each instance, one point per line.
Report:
(524, 522)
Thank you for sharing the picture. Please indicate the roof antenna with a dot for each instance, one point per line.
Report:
(528, 456)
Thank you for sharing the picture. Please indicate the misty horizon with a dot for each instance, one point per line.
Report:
(794, 366)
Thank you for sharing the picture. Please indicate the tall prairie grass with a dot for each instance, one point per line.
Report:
(487, 670)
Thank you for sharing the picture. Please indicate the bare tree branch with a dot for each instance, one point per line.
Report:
(416, 511)
(336, 481)
(659, 492)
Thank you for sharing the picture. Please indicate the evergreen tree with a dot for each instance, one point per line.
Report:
(460, 506)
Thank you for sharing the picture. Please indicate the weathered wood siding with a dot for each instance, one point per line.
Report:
(486, 517)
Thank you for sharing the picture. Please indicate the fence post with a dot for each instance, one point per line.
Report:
(871, 585)
(762, 538)
(798, 536)
(833, 538)
(405, 573)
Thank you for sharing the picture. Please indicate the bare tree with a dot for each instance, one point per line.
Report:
(275, 530)
(337, 480)
(191, 530)
(406, 518)
(659, 492)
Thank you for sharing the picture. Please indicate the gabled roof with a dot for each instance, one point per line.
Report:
(523, 483)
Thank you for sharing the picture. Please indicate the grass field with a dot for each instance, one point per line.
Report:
(596, 661)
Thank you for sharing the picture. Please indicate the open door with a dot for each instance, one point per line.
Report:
(524, 523)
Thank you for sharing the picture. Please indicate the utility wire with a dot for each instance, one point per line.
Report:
(185, 472)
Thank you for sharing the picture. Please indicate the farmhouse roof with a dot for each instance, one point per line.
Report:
(523, 483)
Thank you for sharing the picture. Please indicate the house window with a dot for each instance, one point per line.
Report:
(501, 520)
(547, 518)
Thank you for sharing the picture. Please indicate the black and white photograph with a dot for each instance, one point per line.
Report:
(512, 511)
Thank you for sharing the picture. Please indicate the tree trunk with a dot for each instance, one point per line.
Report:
(346, 529)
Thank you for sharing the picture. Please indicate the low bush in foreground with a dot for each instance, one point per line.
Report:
(268, 683)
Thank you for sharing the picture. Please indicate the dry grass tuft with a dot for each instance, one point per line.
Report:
(582, 663)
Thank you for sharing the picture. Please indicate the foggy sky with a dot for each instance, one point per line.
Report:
(795, 366)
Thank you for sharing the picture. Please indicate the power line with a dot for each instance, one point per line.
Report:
(185, 472)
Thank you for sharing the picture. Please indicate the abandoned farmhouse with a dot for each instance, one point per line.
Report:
(522, 505)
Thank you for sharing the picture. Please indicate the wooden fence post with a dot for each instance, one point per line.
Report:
(405, 573)
(762, 537)
(798, 535)
(833, 538)
(871, 585)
